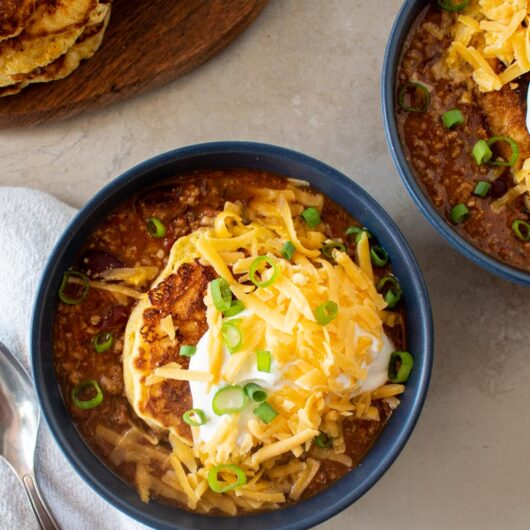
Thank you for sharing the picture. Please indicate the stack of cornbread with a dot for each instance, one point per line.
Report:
(46, 40)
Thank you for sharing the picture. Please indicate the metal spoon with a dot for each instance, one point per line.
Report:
(19, 422)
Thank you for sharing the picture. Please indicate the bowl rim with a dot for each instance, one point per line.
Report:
(400, 29)
(300, 515)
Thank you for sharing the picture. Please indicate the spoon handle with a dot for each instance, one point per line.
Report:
(43, 515)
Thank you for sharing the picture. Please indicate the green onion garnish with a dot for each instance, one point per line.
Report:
(521, 229)
(265, 412)
(514, 147)
(255, 265)
(311, 216)
(389, 287)
(155, 227)
(459, 213)
(186, 350)
(255, 392)
(327, 249)
(229, 400)
(326, 312)
(481, 152)
(417, 89)
(287, 250)
(379, 256)
(482, 188)
(103, 341)
(357, 231)
(223, 487)
(323, 440)
(235, 308)
(264, 361)
(88, 403)
(85, 287)
(195, 417)
(401, 363)
(353, 230)
(221, 294)
(450, 5)
(231, 335)
(452, 118)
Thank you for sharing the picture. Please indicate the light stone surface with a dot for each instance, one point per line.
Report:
(306, 76)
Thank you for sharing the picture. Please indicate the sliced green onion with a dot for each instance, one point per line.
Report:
(186, 350)
(323, 440)
(521, 229)
(65, 282)
(229, 400)
(255, 265)
(264, 361)
(358, 232)
(221, 294)
(326, 312)
(451, 6)
(389, 287)
(255, 392)
(360, 235)
(231, 336)
(223, 487)
(401, 363)
(88, 403)
(311, 216)
(379, 256)
(155, 227)
(353, 230)
(327, 249)
(195, 417)
(513, 146)
(235, 308)
(481, 152)
(265, 412)
(452, 118)
(288, 250)
(417, 87)
(459, 213)
(103, 341)
(482, 188)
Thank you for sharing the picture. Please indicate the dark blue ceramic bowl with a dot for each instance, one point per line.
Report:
(220, 156)
(406, 17)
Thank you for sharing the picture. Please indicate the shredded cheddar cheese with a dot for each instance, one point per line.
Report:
(168, 326)
(491, 31)
(136, 276)
(521, 179)
(322, 367)
(174, 371)
(114, 288)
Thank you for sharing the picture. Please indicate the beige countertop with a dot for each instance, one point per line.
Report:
(306, 76)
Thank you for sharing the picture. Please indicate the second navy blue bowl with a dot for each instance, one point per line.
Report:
(402, 26)
(225, 155)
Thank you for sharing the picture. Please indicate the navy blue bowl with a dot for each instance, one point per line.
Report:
(226, 155)
(406, 17)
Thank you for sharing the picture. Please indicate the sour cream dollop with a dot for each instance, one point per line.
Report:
(377, 375)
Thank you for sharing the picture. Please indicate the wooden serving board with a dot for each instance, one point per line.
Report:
(147, 43)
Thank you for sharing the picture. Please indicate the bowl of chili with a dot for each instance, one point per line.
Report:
(440, 137)
(391, 245)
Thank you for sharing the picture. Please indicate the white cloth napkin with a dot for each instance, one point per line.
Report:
(30, 223)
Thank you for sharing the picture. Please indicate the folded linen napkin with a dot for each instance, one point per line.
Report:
(30, 223)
